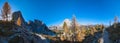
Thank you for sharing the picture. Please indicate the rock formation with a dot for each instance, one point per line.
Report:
(17, 15)
(38, 26)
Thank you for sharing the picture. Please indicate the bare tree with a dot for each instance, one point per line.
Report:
(116, 19)
(73, 23)
(74, 28)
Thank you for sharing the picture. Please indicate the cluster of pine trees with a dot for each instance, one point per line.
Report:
(75, 32)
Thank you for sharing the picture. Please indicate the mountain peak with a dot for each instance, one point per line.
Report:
(68, 22)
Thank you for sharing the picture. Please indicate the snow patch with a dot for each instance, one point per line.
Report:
(43, 38)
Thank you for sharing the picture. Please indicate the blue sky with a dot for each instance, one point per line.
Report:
(53, 12)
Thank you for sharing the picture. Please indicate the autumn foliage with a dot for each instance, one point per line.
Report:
(6, 11)
(19, 21)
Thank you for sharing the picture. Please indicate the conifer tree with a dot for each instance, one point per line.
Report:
(65, 27)
(74, 28)
(115, 21)
(6, 10)
(65, 30)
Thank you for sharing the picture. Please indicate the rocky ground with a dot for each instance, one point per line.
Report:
(11, 33)
(114, 33)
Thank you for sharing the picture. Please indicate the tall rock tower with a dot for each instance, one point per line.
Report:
(18, 18)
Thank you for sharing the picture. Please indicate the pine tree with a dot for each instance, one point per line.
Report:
(74, 24)
(110, 23)
(6, 10)
(115, 21)
(65, 27)
(75, 28)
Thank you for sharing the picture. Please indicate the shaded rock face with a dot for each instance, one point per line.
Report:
(17, 15)
(38, 26)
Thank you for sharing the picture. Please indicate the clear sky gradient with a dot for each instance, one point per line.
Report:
(53, 12)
